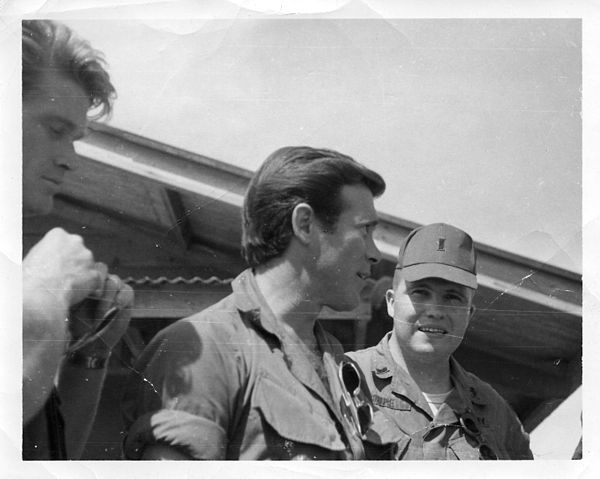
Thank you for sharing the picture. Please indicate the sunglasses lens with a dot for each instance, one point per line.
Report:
(350, 377)
(469, 425)
(365, 417)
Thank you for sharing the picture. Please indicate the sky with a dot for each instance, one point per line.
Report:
(471, 122)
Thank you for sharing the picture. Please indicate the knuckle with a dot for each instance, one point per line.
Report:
(126, 295)
(96, 276)
(87, 256)
(112, 282)
(57, 234)
(102, 269)
(76, 239)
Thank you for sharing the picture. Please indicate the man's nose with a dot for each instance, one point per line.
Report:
(435, 309)
(66, 157)
(373, 252)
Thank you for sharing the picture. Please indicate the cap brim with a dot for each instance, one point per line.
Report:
(416, 272)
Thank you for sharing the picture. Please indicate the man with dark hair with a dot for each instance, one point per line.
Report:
(282, 182)
(255, 376)
(441, 410)
(65, 292)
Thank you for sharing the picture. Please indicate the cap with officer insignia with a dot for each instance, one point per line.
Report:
(439, 250)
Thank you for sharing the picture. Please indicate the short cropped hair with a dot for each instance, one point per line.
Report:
(48, 45)
(288, 177)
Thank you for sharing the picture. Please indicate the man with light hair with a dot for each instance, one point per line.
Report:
(441, 410)
(74, 312)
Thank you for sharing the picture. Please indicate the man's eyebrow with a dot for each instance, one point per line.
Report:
(61, 119)
(456, 291)
(78, 133)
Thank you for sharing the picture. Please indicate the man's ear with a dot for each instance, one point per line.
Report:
(389, 300)
(302, 222)
(471, 312)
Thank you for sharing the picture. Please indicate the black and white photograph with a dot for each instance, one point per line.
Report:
(317, 231)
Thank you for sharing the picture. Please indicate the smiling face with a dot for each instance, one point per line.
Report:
(54, 116)
(430, 316)
(345, 256)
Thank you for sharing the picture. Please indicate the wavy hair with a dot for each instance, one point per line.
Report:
(48, 45)
(288, 177)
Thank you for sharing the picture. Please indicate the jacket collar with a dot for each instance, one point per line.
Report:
(253, 307)
(465, 391)
(384, 367)
(466, 384)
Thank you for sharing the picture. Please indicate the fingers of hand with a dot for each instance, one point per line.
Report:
(61, 263)
(71, 250)
(117, 293)
(70, 263)
(100, 271)
(125, 297)
(88, 281)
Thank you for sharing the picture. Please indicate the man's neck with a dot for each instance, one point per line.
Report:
(432, 374)
(286, 293)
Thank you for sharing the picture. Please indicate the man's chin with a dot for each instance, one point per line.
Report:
(432, 350)
(343, 306)
(40, 207)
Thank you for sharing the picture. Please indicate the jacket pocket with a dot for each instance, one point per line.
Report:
(295, 415)
(384, 440)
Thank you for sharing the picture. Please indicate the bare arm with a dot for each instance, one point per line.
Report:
(45, 337)
(58, 272)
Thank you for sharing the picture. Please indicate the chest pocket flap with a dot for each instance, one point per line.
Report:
(295, 415)
(384, 440)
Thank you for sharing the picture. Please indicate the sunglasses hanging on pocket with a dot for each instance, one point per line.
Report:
(360, 410)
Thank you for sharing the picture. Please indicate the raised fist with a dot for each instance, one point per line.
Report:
(61, 265)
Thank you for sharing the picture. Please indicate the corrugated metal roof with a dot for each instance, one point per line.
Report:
(147, 280)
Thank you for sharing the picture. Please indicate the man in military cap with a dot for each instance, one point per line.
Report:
(442, 411)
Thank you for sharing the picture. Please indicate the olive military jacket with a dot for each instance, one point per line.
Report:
(229, 383)
(473, 423)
